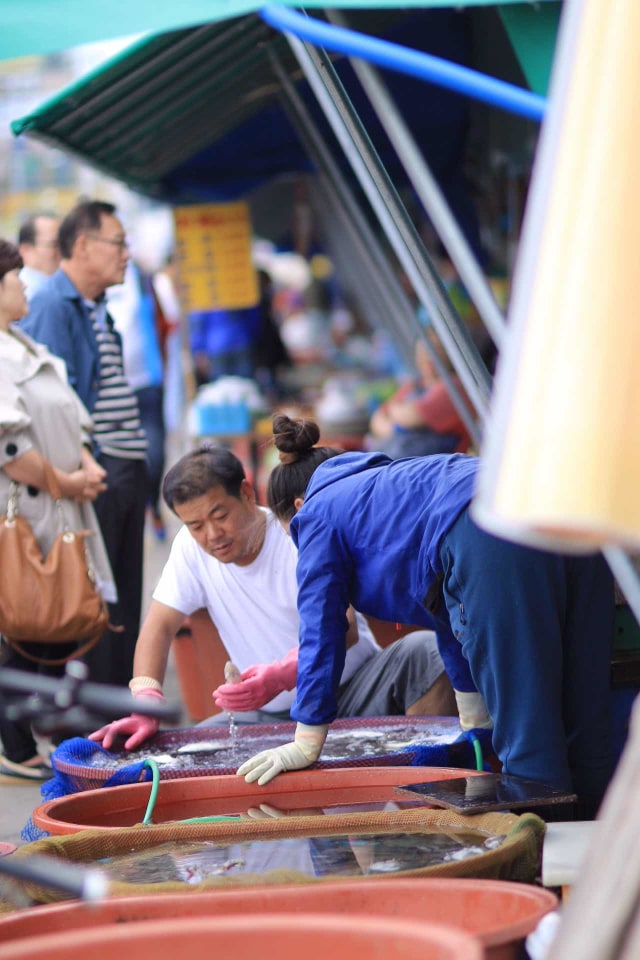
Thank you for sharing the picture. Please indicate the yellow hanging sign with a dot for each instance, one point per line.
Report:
(213, 249)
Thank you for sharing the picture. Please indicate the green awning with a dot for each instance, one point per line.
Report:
(49, 26)
(142, 113)
(194, 114)
(533, 31)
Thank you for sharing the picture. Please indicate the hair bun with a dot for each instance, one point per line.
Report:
(293, 438)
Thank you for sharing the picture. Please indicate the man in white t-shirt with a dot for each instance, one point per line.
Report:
(234, 558)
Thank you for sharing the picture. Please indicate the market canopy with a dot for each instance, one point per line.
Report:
(48, 26)
(212, 112)
(195, 114)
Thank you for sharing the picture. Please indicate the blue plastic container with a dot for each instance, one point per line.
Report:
(221, 419)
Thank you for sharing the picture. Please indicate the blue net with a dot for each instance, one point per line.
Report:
(30, 832)
(79, 752)
(460, 753)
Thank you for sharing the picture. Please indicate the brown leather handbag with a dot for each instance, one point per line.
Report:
(53, 600)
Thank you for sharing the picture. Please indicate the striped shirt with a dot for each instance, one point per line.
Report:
(116, 418)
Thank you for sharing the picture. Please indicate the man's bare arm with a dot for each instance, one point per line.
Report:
(154, 640)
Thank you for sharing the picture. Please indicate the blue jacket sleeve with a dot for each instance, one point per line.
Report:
(324, 572)
(49, 322)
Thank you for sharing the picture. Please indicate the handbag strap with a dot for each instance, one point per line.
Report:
(53, 661)
(52, 487)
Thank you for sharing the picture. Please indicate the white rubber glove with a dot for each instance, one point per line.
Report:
(305, 750)
(473, 711)
(540, 941)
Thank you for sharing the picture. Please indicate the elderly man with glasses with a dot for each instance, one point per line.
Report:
(39, 249)
(69, 314)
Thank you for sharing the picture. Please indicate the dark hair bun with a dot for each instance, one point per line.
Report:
(294, 436)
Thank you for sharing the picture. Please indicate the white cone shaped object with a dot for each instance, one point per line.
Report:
(561, 460)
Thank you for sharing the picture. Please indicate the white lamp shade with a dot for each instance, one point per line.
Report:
(561, 459)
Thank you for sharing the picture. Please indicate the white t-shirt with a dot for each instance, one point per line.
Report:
(254, 607)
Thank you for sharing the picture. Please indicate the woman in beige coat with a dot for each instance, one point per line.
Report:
(41, 418)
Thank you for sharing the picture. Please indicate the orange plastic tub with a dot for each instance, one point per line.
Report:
(499, 913)
(230, 795)
(287, 937)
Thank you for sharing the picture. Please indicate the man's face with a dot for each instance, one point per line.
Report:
(231, 529)
(106, 252)
(44, 253)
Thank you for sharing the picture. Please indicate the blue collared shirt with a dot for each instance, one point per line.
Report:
(59, 317)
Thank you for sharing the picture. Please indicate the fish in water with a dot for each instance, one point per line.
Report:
(204, 746)
(231, 673)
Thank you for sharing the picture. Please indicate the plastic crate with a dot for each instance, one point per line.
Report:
(220, 419)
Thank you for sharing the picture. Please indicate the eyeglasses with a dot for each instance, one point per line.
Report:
(121, 244)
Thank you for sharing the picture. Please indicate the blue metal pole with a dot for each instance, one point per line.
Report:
(424, 66)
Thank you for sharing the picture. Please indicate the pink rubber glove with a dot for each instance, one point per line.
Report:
(259, 684)
(140, 727)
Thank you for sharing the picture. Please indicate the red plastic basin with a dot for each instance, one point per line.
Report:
(499, 913)
(302, 790)
(287, 937)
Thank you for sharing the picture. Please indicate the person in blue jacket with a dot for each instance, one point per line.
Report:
(532, 630)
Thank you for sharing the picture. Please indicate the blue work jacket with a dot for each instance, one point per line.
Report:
(59, 318)
(369, 534)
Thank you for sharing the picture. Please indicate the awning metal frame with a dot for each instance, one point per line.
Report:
(400, 314)
(428, 191)
(396, 223)
(356, 225)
